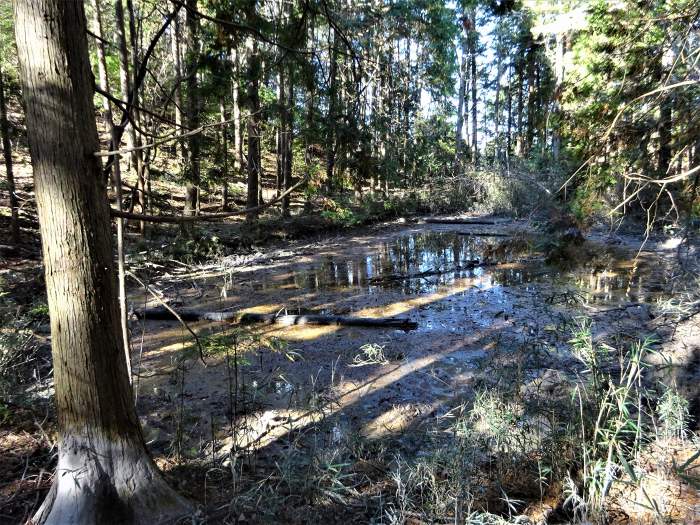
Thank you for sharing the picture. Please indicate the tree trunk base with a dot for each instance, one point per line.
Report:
(100, 483)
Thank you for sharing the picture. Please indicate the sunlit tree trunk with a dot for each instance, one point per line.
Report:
(332, 110)
(473, 46)
(7, 154)
(236, 113)
(509, 106)
(104, 474)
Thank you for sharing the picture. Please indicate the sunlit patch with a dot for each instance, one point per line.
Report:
(396, 420)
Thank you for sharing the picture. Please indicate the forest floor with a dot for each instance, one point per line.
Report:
(472, 415)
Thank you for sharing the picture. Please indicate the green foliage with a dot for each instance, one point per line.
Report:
(673, 413)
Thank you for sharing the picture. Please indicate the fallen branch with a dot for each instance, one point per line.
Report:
(161, 313)
(394, 277)
(177, 219)
(173, 315)
(436, 220)
(484, 234)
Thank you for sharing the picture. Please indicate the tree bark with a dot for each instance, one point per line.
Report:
(104, 473)
(7, 154)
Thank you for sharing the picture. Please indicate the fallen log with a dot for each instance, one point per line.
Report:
(437, 220)
(163, 314)
(321, 319)
(160, 313)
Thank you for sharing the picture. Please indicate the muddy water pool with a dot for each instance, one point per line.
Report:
(479, 300)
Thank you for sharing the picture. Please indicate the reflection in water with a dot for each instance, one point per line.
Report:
(453, 256)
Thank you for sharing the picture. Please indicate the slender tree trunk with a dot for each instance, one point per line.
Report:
(192, 165)
(288, 140)
(497, 100)
(473, 44)
(531, 99)
(224, 154)
(177, 92)
(509, 105)
(136, 156)
(519, 146)
(253, 128)
(236, 114)
(556, 106)
(281, 129)
(332, 109)
(7, 154)
(459, 141)
(104, 473)
(117, 181)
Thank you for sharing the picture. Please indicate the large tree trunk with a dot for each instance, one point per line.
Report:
(192, 174)
(7, 153)
(104, 473)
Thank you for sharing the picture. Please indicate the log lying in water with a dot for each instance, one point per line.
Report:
(319, 319)
(437, 220)
(161, 313)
